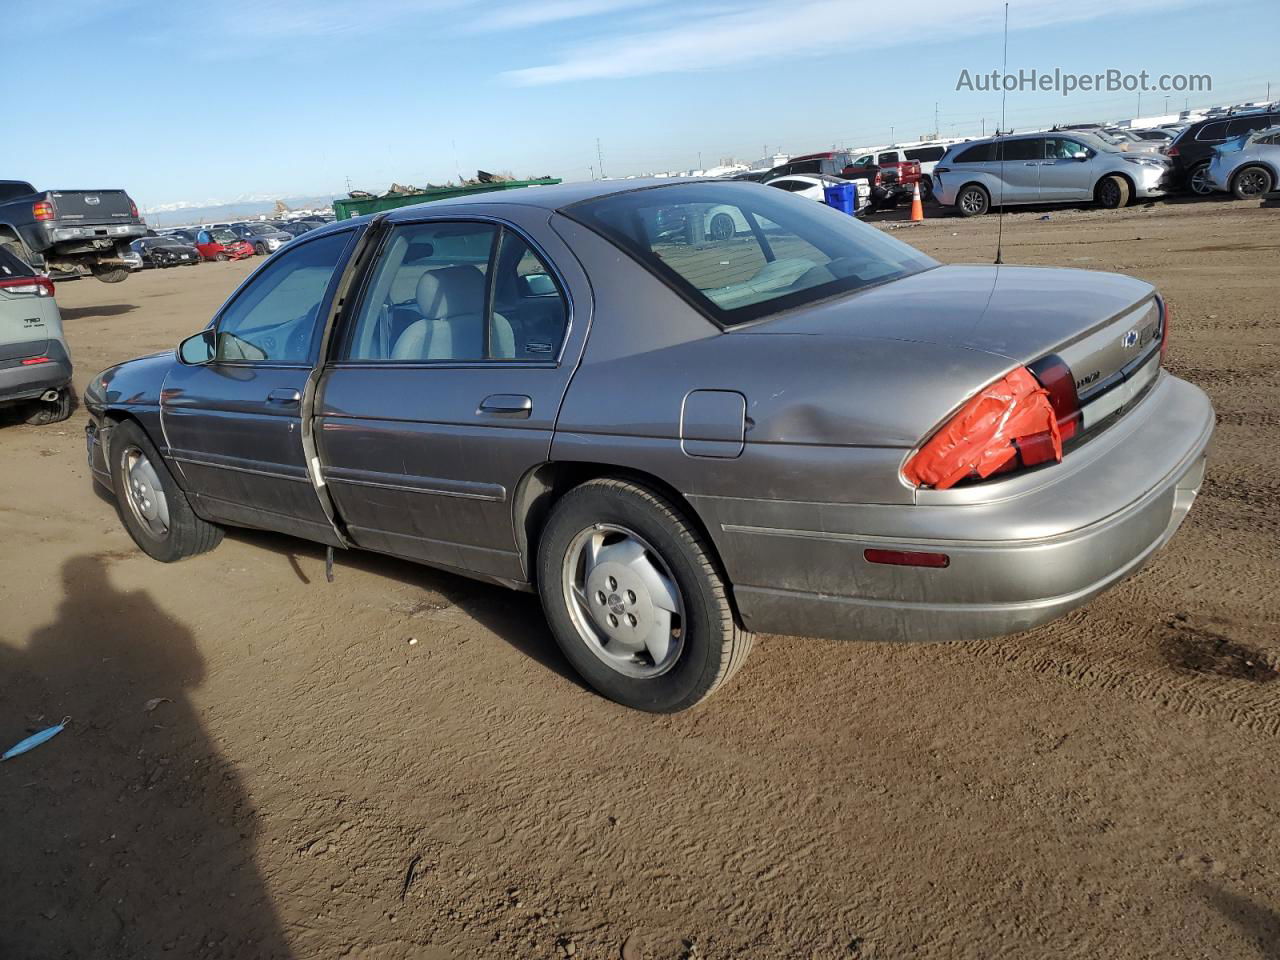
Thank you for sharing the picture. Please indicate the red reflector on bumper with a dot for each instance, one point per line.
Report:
(907, 558)
(30, 361)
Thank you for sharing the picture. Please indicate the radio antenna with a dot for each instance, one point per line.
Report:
(1004, 93)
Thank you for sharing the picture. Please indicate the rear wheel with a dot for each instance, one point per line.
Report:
(260, 249)
(42, 412)
(926, 189)
(1251, 183)
(973, 201)
(109, 274)
(1198, 180)
(221, 258)
(153, 507)
(1112, 192)
(721, 227)
(635, 599)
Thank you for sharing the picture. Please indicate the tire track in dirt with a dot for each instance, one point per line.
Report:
(1250, 701)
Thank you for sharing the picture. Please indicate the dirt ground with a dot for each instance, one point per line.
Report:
(311, 783)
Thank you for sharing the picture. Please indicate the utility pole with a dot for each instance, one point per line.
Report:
(600, 159)
(699, 161)
(593, 171)
(1166, 103)
(935, 119)
(984, 126)
(1139, 103)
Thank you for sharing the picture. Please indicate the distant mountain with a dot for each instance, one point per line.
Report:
(213, 211)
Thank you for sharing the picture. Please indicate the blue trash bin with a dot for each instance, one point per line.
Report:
(842, 196)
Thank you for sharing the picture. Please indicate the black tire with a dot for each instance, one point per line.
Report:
(1198, 180)
(109, 274)
(713, 645)
(1251, 182)
(221, 258)
(722, 227)
(926, 189)
(973, 200)
(1112, 192)
(187, 535)
(41, 412)
(260, 249)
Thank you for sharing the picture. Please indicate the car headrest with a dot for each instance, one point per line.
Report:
(451, 291)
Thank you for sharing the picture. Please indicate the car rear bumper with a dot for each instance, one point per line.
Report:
(1016, 561)
(19, 381)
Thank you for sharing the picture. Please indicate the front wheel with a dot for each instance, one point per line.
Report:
(221, 258)
(1251, 183)
(260, 250)
(153, 507)
(1112, 193)
(635, 598)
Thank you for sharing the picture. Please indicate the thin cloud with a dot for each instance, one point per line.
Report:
(522, 15)
(759, 33)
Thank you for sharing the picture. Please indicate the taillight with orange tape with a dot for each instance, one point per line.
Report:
(1012, 423)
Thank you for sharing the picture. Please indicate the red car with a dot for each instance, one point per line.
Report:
(222, 245)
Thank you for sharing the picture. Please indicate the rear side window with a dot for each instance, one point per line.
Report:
(926, 154)
(979, 153)
(1247, 125)
(1031, 149)
(783, 252)
(12, 265)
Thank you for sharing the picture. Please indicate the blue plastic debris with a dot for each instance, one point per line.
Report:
(34, 740)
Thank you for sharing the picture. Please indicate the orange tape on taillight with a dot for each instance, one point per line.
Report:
(984, 435)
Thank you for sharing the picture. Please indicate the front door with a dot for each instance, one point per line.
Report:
(233, 425)
(444, 389)
(1063, 175)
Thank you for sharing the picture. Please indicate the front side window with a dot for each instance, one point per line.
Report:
(458, 291)
(890, 157)
(274, 318)
(1060, 148)
(784, 251)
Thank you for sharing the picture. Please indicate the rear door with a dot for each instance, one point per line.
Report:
(445, 385)
(234, 425)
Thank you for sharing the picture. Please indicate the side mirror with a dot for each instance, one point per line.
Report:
(1081, 155)
(537, 285)
(200, 349)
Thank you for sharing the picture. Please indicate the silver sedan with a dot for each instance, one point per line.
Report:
(678, 437)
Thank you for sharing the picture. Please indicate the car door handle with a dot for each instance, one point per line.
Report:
(284, 396)
(513, 405)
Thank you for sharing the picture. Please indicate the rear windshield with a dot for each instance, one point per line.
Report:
(13, 266)
(740, 251)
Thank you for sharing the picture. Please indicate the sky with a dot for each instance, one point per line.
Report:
(199, 103)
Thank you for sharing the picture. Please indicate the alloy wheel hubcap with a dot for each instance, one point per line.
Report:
(144, 493)
(972, 202)
(1251, 183)
(624, 601)
(1200, 181)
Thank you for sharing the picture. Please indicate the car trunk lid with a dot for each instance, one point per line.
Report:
(1105, 327)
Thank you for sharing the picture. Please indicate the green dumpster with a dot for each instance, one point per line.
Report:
(350, 207)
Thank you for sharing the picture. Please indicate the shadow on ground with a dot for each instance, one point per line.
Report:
(1259, 924)
(514, 616)
(127, 835)
(98, 312)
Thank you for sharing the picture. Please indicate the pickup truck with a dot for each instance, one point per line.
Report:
(891, 182)
(69, 233)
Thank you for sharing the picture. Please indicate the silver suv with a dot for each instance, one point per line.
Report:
(1053, 167)
(35, 367)
(1247, 166)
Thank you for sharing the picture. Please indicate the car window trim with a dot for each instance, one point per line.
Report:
(325, 304)
(339, 358)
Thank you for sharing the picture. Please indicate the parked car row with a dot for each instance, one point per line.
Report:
(187, 246)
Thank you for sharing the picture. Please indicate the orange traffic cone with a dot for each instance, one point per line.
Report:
(917, 208)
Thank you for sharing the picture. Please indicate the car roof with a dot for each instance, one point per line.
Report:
(553, 197)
